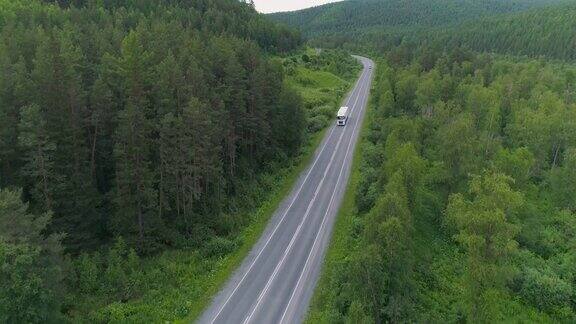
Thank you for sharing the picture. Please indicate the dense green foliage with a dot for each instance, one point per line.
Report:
(533, 28)
(138, 118)
(351, 17)
(543, 33)
(463, 206)
(546, 32)
(31, 272)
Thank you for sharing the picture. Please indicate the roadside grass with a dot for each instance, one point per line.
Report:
(339, 249)
(316, 85)
(322, 93)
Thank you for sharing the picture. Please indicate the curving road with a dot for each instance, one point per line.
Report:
(275, 282)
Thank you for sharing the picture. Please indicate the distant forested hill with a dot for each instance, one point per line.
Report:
(548, 32)
(544, 32)
(363, 15)
(534, 28)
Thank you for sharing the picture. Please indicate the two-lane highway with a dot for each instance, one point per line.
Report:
(275, 282)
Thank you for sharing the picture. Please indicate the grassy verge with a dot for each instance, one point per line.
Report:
(316, 86)
(341, 241)
(322, 80)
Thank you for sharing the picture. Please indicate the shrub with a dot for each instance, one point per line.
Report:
(219, 246)
(88, 273)
(546, 290)
(325, 110)
(123, 274)
(317, 123)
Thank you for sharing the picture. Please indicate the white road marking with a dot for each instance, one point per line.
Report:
(287, 210)
(289, 248)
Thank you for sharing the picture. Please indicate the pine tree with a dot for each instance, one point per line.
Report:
(30, 264)
(39, 151)
(231, 85)
(136, 216)
(58, 84)
(190, 156)
(101, 131)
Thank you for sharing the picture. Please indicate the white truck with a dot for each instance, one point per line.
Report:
(342, 116)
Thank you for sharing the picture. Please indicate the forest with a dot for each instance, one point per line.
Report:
(112, 87)
(360, 16)
(537, 28)
(144, 146)
(546, 33)
(462, 206)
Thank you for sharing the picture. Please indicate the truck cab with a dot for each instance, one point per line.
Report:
(342, 117)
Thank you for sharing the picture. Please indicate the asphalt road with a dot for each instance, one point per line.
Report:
(276, 281)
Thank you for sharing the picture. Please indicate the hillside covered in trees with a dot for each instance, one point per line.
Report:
(534, 28)
(351, 17)
(546, 32)
(462, 205)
